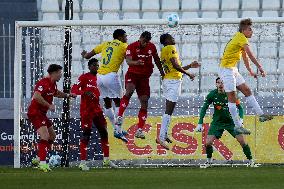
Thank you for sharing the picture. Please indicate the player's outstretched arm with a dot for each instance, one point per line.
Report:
(131, 62)
(193, 64)
(60, 94)
(88, 55)
(176, 66)
(37, 96)
(253, 59)
(247, 64)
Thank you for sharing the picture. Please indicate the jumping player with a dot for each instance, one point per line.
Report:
(113, 54)
(236, 48)
(139, 58)
(171, 82)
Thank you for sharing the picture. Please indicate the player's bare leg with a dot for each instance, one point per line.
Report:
(130, 87)
(232, 100)
(246, 150)
(252, 102)
(43, 147)
(142, 116)
(170, 106)
(209, 151)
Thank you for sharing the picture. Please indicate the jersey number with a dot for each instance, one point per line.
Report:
(109, 52)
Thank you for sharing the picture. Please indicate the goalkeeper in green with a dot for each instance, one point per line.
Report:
(222, 120)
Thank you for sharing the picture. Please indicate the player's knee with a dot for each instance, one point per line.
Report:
(86, 135)
(208, 143)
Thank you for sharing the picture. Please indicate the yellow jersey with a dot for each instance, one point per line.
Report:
(113, 53)
(233, 51)
(167, 53)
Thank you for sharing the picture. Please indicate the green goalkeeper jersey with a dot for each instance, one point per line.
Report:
(221, 111)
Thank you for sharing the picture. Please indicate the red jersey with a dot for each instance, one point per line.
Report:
(87, 82)
(145, 54)
(47, 89)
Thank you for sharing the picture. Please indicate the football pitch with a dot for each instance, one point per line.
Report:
(267, 177)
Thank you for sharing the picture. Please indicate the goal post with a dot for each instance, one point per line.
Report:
(197, 31)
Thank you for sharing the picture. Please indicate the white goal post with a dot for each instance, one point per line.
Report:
(18, 66)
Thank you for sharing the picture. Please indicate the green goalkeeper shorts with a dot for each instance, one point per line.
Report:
(218, 129)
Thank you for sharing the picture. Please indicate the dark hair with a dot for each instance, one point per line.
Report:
(164, 37)
(217, 79)
(53, 68)
(244, 24)
(146, 35)
(118, 33)
(92, 61)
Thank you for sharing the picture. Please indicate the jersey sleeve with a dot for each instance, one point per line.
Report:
(204, 108)
(129, 51)
(243, 41)
(41, 87)
(98, 49)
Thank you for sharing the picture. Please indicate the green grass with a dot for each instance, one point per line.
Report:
(136, 178)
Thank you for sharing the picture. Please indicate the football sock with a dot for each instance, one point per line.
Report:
(42, 150)
(166, 119)
(110, 114)
(247, 152)
(234, 113)
(83, 149)
(252, 102)
(105, 147)
(142, 116)
(123, 105)
(209, 151)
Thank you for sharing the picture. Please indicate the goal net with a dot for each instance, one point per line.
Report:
(40, 43)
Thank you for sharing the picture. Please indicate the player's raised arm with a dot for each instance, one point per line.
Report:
(253, 59)
(98, 49)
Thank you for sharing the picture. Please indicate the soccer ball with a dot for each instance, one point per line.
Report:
(54, 161)
(173, 20)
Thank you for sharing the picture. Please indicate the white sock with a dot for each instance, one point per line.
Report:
(209, 160)
(252, 102)
(110, 115)
(166, 119)
(234, 113)
(106, 158)
(116, 111)
(42, 162)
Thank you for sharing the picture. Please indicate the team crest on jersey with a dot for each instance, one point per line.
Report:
(40, 88)
(128, 52)
(173, 52)
(150, 52)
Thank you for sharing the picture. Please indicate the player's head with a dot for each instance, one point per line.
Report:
(55, 71)
(93, 65)
(120, 35)
(245, 27)
(145, 38)
(167, 39)
(219, 84)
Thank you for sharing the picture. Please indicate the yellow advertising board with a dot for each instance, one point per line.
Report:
(266, 141)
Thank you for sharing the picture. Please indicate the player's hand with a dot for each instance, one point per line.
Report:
(140, 62)
(253, 74)
(191, 76)
(195, 64)
(262, 72)
(90, 94)
(83, 53)
(199, 128)
(51, 107)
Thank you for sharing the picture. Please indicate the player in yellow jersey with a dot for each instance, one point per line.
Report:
(236, 48)
(171, 83)
(113, 54)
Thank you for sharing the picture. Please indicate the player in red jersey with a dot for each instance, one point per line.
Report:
(91, 113)
(44, 91)
(139, 58)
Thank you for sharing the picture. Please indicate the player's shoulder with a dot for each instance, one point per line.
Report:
(212, 93)
(43, 81)
(134, 44)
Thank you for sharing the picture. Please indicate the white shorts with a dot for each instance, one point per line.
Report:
(231, 78)
(171, 89)
(109, 85)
